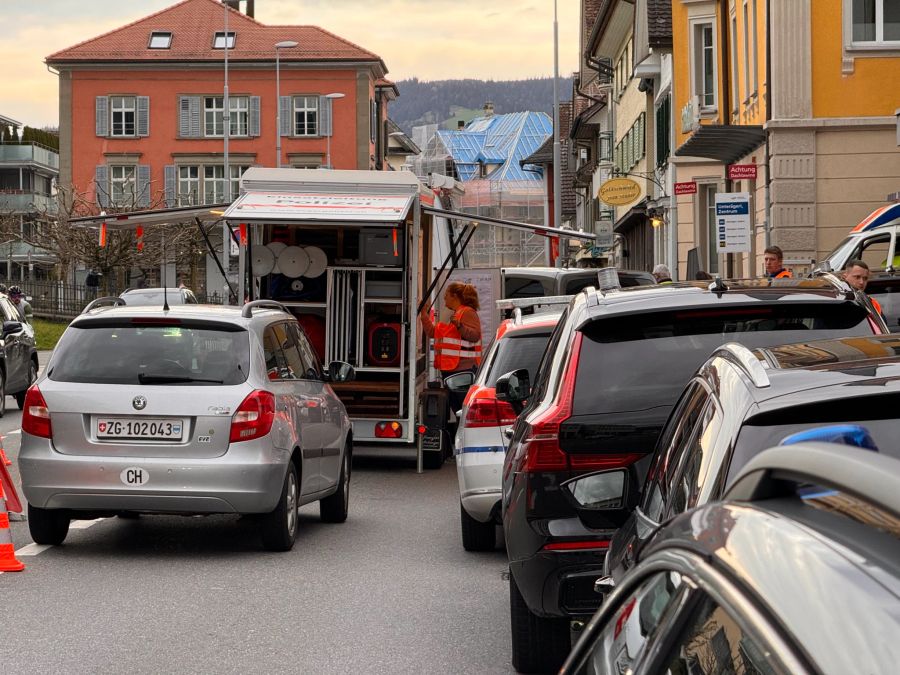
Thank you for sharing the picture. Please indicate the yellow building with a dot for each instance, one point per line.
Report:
(807, 98)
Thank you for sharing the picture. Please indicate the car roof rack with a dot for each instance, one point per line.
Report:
(548, 303)
(108, 300)
(776, 472)
(747, 361)
(247, 310)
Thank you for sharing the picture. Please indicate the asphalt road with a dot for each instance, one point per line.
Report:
(389, 591)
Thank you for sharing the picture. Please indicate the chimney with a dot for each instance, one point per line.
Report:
(236, 5)
(460, 125)
(489, 109)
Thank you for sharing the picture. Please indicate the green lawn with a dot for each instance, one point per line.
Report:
(47, 333)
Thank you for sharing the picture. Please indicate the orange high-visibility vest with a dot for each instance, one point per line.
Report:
(449, 347)
(784, 274)
(876, 305)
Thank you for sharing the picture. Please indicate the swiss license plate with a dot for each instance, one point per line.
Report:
(139, 429)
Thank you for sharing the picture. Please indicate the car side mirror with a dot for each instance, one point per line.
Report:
(339, 371)
(10, 327)
(459, 383)
(603, 499)
(514, 387)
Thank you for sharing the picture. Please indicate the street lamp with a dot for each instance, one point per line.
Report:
(284, 44)
(331, 97)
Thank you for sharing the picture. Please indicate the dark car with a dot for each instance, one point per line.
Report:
(18, 355)
(613, 369)
(797, 571)
(885, 288)
(537, 282)
(740, 403)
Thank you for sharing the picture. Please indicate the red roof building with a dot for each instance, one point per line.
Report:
(142, 119)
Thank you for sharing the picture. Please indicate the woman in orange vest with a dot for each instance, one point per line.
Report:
(457, 343)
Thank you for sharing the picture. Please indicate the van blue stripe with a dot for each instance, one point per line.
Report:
(482, 448)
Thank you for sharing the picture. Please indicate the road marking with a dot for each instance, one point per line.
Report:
(14, 431)
(83, 524)
(33, 549)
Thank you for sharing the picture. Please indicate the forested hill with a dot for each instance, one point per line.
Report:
(446, 101)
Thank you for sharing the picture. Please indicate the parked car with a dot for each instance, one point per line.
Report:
(777, 578)
(480, 442)
(198, 410)
(885, 288)
(613, 369)
(154, 296)
(740, 403)
(532, 282)
(18, 355)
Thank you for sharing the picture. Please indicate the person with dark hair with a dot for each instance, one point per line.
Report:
(773, 259)
(856, 274)
(21, 304)
(703, 276)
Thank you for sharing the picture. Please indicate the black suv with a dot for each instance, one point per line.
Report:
(613, 369)
(740, 403)
(780, 577)
(18, 355)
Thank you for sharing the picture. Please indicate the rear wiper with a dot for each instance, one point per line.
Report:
(143, 378)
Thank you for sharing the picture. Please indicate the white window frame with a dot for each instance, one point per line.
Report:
(188, 190)
(121, 106)
(236, 171)
(240, 116)
(300, 108)
(754, 52)
(219, 40)
(160, 39)
(213, 109)
(706, 225)
(735, 85)
(695, 25)
(121, 176)
(879, 43)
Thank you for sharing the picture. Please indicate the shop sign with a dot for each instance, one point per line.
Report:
(733, 222)
(687, 188)
(742, 171)
(619, 191)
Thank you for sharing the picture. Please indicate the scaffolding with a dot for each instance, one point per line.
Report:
(485, 156)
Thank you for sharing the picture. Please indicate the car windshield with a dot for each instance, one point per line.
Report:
(642, 362)
(185, 354)
(517, 351)
(173, 295)
(877, 413)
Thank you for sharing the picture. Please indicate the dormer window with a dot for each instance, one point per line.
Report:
(219, 42)
(160, 39)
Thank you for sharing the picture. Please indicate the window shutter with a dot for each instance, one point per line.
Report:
(143, 115)
(142, 197)
(287, 123)
(171, 182)
(195, 117)
(101, 185)
(102, 115)
(189, 116)
(324, 116)
(254, 115)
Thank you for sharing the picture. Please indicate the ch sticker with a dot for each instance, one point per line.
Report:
(134, 476)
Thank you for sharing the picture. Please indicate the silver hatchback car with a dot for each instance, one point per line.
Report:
(195, 410)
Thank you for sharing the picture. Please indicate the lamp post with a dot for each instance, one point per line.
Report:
(331, 97)
(284, 44)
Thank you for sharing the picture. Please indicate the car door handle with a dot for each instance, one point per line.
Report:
(508, 432)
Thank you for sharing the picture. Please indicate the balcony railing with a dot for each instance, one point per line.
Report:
(20, 153)
(26, 202)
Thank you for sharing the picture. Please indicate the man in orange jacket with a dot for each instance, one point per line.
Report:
(856, 273)
(773, 258)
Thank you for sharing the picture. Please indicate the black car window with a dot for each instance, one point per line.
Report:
(579, 283)
(698, 462)
(311, 368)
(103, 352)
(621, 642)
(715, 642)
(287, 340)
(517, 351)
(523, 287)
(874, 251)
(541, 382)
(676, 436)
(275, 363)
(642, 363)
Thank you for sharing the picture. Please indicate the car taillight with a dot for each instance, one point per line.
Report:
(540, 446)
(389, 430)
(253, 419)
(489, 412)
(36, 415)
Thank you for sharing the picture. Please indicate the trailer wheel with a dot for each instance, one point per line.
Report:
(433, 459)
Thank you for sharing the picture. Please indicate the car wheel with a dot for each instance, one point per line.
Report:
(334, 507)
(32, 376)
(432, 460)
(477, 536)
(539, 644)
(279, 527)
(47, 526)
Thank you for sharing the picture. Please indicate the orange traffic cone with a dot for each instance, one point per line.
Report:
(8, 562)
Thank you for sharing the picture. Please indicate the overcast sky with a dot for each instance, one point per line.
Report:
(428, 39)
